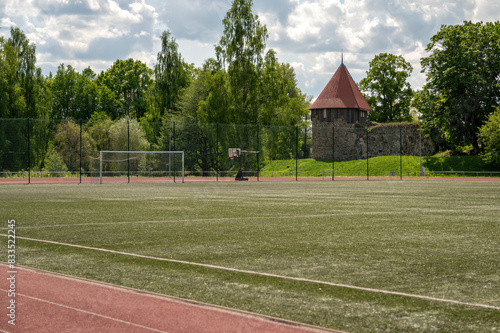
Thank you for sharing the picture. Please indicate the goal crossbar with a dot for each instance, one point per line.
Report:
(138, 152)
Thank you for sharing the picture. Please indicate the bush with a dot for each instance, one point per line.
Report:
(490, 135)
(67, 142)
(54, 162)
(125, 132)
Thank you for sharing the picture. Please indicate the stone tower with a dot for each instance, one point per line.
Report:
(341, 99)
(341, 105)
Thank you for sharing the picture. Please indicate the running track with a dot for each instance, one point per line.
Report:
(48, 302)
(63, 180)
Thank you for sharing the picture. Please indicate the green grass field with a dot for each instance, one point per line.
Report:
(382, 166)
(431, 238)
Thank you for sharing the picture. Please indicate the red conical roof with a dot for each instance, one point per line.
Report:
(341, 93)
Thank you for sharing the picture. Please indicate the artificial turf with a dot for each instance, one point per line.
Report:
(424, 237)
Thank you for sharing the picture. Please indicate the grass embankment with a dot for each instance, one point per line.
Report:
(381, 166)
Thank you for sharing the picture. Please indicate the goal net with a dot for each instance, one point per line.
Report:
(140, 166)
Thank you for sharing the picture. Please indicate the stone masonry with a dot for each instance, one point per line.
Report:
(353, 141)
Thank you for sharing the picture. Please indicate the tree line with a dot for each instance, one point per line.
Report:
(246, 84)
(459, 104)
(243, 84)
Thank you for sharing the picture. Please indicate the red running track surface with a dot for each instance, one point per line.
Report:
(48, 302)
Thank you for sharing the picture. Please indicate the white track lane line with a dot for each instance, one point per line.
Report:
(171, 299)
(88, 312)
(235, 270)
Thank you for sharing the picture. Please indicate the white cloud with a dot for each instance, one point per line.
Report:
(364, 28)
(309, 34)
(487, 10)
(6, 23)
(194, 51)
(310, 20)
(89, 31)
(194, 19)
(273, 24)
(326, 63)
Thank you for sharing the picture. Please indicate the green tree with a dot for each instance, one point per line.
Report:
(489, 133)
(282, 102)
(127, 135)
(4, 106)
(18, 75)
(27, 71)
(214, 108)
(244, 86)
(240, 50)
(15, 53)
(12, 101)
(171, 75)
(54, 162)
(89, 74)
(283, 106)
(427, 103)
(93, 97)
(463, 70)
(24, 93)
(108, 102)
(67, 143)
(23, 89)
(130, 81)
(64, 86)
(389, 92)
(78, 96)
(99, 129)
(196, 129)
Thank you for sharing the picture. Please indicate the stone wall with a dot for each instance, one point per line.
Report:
(352, 141)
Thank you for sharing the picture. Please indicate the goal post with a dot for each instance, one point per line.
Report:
(121, 163)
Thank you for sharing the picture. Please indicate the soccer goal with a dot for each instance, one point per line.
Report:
(140, 166)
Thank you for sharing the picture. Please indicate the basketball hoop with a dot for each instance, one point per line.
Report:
(236, 152)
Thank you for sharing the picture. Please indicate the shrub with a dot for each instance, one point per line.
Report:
(54, 162)
(490, 135)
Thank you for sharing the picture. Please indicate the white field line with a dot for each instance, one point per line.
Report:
(172, 299)
(207, 219)
(235, 270)
(88, 312)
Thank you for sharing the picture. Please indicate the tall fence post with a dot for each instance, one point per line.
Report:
(258, 154)
(174, 148)
(29, 152)
(420, 153)
(217, 157)
(401, 152)
(100, 167)
(333, 152)
(128, 149)
(81, 150)
(367, 157)
(296, 153)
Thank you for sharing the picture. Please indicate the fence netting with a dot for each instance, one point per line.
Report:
(36, 150)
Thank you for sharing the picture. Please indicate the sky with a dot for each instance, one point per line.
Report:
(308, 34)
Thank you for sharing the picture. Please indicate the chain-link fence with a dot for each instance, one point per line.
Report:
(36, 151)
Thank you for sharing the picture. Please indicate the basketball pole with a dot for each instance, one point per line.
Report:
(236, 152)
